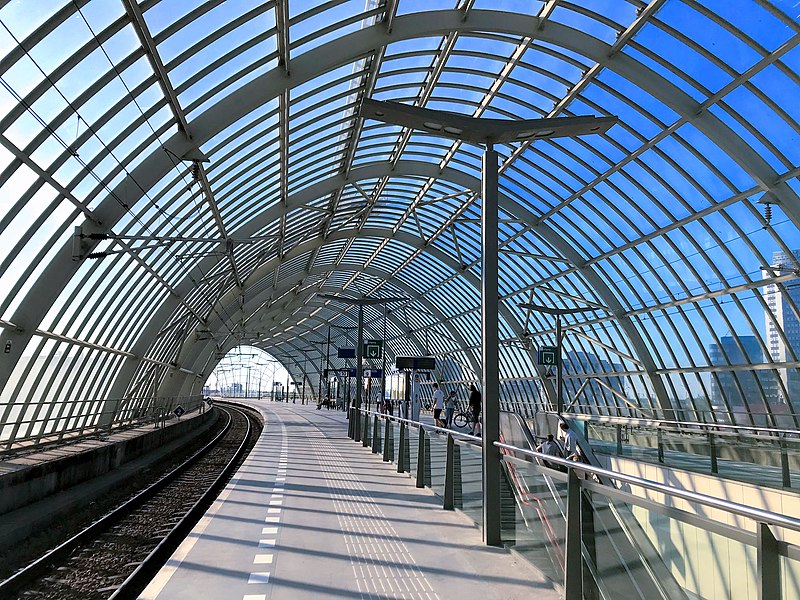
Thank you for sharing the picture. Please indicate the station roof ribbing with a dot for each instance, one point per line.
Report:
(211, 156)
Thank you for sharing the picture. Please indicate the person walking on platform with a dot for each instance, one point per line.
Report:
(449, 409)
(438, 405)
(475, 409)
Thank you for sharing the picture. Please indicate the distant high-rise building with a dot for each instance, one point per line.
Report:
(739, 388)
(783, 301)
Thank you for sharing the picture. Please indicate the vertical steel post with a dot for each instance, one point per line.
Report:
(712, 450)
(785, 473)
(359, 358)
(573, 567)
(490, 348)
(350, 429)
(660, 446)
(401, 451)
(365, 429)
(328, 365)
(619, 440)
(376, 438)
(421, 459)
(559, 368)
(449, 474)
(388, 435)
(383, 358)
(769, 564)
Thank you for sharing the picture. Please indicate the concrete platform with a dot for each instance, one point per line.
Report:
(312, 514)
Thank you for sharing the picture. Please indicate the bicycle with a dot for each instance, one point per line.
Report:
(462, 416)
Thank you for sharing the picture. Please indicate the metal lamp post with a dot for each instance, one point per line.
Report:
(486, 132)
(361, 303)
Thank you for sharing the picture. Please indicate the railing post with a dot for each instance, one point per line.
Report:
(401, 451)
(421, 459)
(590, 588)
(376, 438)
(388, 441)
(785, 473)
(712, 450)
(365, 430)
(619, 440)
(351, 432)
(769, 564)
(660, 434)
(573, 565)
(449, 473)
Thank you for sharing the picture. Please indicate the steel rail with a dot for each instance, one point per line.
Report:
(757, 515)
(680, 426)
(464, 436)
(40, 565)
(141, 576)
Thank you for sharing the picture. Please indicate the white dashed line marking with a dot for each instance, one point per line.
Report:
(258, 578)
(269, 531)
(273, 511)
(263, 559)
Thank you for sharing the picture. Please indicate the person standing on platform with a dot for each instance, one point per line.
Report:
(438, 405)
(449, 409)
(475, 409)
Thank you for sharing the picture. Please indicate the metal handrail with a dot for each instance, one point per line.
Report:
(466, 436)
(755, 514)
(681, 424)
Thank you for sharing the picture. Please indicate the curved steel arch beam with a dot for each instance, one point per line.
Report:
(203, 354)
(407, 289)
(342, 51)
(299, 302)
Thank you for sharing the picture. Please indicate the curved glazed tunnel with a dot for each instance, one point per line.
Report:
(214, 162)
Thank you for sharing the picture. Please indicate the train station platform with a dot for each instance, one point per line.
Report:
(313, 514)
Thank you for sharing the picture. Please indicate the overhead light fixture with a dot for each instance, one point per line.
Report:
(481, 131)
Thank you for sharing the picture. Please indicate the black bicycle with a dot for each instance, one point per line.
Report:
(462, 416)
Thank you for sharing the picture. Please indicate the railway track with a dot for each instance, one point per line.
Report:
(117, 555)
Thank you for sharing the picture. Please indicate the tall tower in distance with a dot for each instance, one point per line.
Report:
(783, 301)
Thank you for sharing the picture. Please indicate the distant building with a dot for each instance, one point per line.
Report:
(783, 301)
(738, 388)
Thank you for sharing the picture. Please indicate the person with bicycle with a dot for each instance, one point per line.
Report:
(449, 409)
(475, 409)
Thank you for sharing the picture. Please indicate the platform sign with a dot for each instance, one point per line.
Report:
(373, 373)
(373, 349)
(179, 411)
(547, 355)
(345, 352)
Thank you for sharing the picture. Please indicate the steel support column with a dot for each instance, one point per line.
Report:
(359, 361)
(490, 348)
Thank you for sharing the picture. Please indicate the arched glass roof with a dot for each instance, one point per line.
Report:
(183, 177)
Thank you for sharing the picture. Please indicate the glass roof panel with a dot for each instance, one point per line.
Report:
(677, 215)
